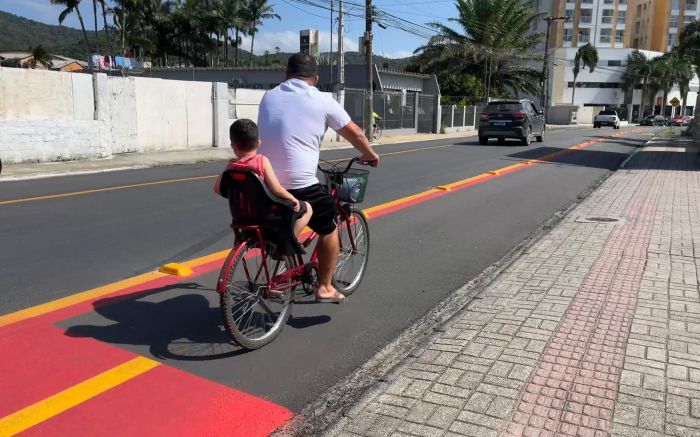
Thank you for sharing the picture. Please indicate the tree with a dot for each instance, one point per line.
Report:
(256, 11)
(486, 46)
(682, 69)
(104, 21)
(586, 56)
(40, 56)
(72, 6)
(689, 45)
(661, 79)
(94, 16)
(636, 73)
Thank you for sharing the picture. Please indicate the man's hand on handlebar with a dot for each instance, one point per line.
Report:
(369, 159)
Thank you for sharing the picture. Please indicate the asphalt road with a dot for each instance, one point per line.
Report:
(56, 247)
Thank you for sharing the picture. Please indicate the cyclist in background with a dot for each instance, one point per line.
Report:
(293, 119)
(375, 127)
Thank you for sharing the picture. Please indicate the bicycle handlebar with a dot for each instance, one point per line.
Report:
(334, 169)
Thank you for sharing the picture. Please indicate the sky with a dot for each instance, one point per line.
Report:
(295, 15)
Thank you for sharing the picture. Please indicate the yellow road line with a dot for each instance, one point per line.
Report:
(104, 290)
(77, 394)
(101, 190)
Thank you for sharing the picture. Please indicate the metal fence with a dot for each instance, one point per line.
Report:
(459, 116)
(397, 110)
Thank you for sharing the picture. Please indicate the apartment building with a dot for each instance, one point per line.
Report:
(655, 24)
(615, 28)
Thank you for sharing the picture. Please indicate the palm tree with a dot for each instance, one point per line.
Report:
(489, 36)
(234, 16)
(72, 6)
(256, 12)
(688, 45)
(94, 16)
(104, 21)
(661, 79)
(588, 56)
(637, 73)
(40, 56)
(682, 69)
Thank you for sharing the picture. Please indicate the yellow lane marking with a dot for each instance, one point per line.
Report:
(104, 290)
(137, 280)
(77, 394)
(101, 190)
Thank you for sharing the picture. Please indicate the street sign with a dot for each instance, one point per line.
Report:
(675, 102)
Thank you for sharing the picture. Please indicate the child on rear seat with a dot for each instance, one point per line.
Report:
(245, 143)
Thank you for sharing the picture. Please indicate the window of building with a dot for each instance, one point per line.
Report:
(605, 36)
(584, 36)
(567, 35)
(587, 1)
(639, 10)
(675, 4)
(621, 16)
(671, 39)
(674, 21)
(615, 63)
(570, 13)
(636, 27)
(691, 5)
(688, 19)
(607, 16)
(621, 2)
(619, 35)
(586, 16)
(608, 2)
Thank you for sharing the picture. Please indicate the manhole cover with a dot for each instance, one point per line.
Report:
(602, 219)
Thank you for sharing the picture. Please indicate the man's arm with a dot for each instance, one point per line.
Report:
(355, 136)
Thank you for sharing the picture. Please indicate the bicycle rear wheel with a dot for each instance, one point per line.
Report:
(253, 317)
(354, 253)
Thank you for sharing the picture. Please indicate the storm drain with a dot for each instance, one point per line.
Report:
(597, 219)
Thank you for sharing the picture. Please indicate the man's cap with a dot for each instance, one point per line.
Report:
(302, 65)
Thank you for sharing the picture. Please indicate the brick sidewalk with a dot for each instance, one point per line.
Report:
(594, 331)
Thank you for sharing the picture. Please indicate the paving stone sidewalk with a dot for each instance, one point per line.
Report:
(594, 331)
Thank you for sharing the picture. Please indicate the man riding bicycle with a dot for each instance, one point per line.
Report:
(293, 119)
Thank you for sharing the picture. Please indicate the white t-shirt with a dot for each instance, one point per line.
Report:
(292, 120)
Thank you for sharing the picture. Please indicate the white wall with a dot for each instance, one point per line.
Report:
(121, 114)
(52, 140)
(36, 95)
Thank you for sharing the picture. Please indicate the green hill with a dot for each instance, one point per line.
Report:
(21, 33)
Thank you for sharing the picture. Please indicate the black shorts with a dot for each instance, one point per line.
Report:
(324, 218)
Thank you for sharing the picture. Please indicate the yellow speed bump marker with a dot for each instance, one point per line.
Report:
(176, 269)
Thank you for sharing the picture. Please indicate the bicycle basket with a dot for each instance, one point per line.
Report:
(351, 186)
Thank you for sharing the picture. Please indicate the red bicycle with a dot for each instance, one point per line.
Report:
(265, 271)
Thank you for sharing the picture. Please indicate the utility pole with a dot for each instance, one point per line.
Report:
(330, 51)
(341, 56)
(545, 66)
(370, 67)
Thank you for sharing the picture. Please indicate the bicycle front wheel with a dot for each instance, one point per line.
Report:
(354, 253)
(253, 316)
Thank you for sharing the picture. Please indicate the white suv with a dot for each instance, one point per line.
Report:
(607, 118)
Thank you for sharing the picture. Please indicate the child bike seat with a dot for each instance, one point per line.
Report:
(252, 204)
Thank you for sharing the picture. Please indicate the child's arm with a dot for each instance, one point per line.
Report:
(274, 185)
(217, 185)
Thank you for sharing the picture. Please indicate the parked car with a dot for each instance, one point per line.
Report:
(519, 119)
(685, 120)
(607, 118)
(653, 120)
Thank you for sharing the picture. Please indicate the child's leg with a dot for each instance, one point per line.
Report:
(302, 221)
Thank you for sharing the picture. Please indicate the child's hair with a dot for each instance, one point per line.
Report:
(244, 134)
